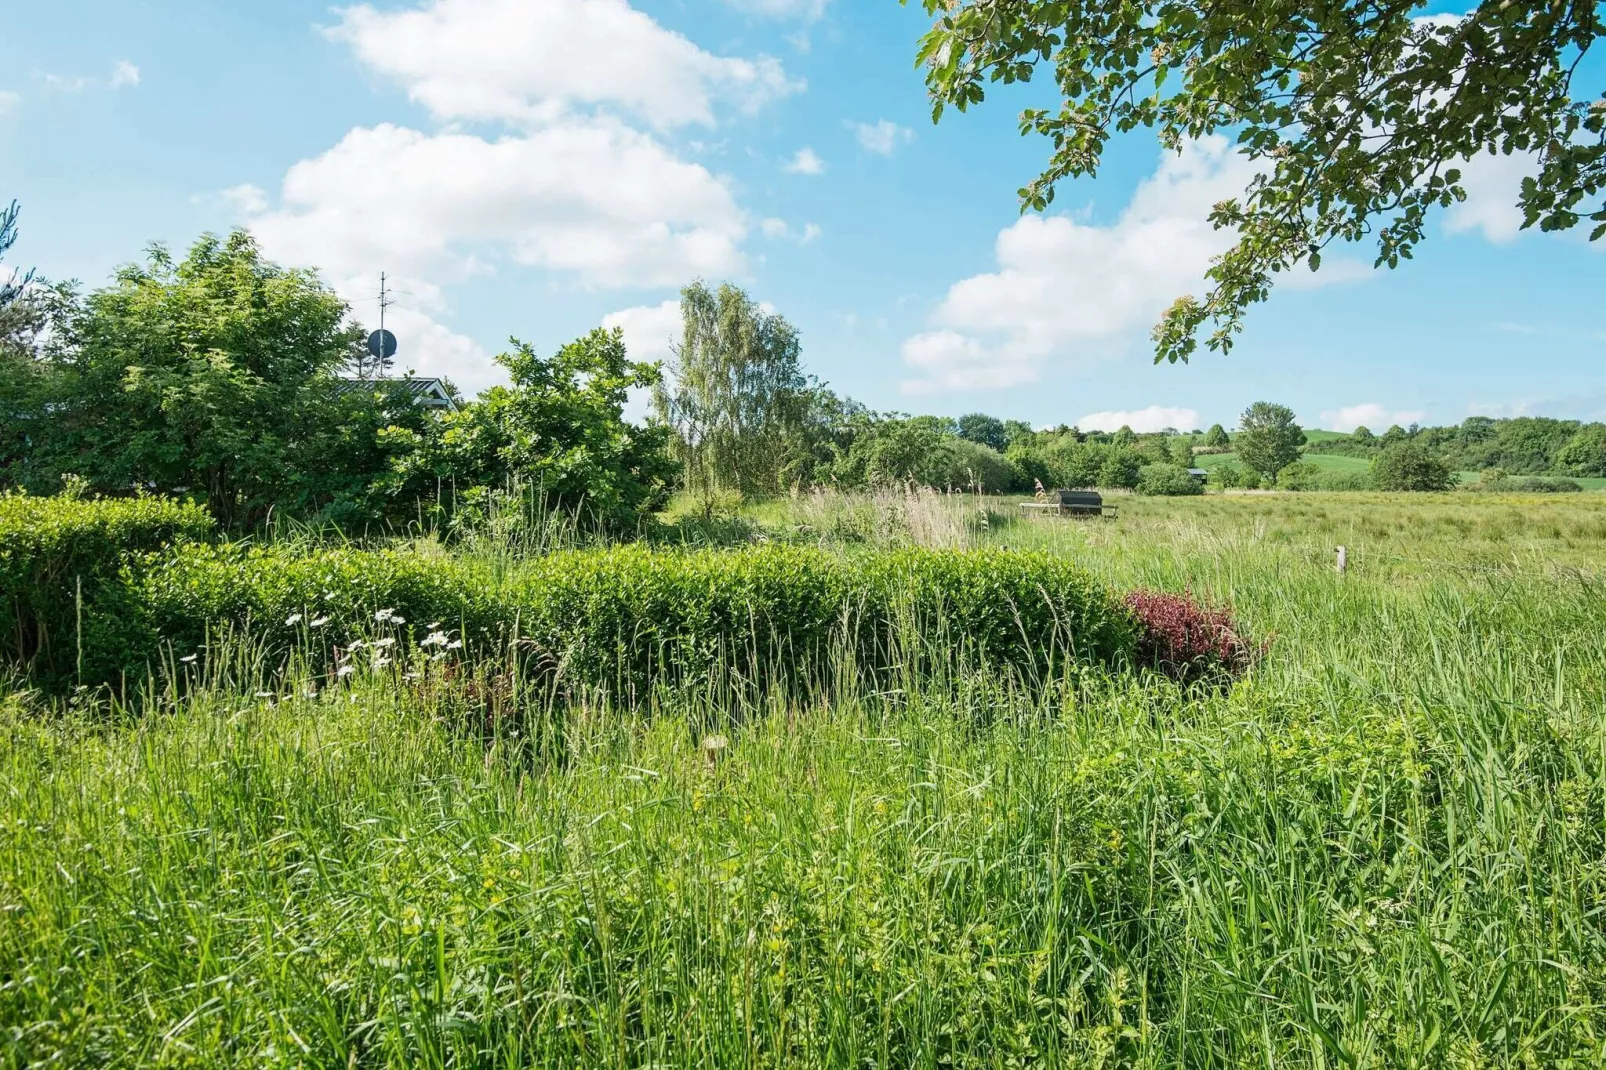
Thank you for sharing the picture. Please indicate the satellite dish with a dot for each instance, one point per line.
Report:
(382, 344)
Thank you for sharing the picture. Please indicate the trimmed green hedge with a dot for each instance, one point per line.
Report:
(629, 617)
(54, 549)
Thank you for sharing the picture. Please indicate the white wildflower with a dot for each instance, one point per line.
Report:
(380, 644)
(187, 659)
(319, 622)
(292, 620)
(455, 644)
(434, 639)
(345, 670)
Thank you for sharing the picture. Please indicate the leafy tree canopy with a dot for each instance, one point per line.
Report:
(1270, 439)
(1216, 438)
(1356, 114)
(1408, 465)
(986, 430)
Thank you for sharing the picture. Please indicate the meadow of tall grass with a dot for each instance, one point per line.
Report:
(1383, 846)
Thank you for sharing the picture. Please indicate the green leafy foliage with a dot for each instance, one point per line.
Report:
(985, 430)
(1585, 453)
(1216, 438)
(57, 554)
(630, 618)
(1355, 118)
(735, 394)
(1408, 465)
(1269, 440)
(1167, 480)
(558, 428)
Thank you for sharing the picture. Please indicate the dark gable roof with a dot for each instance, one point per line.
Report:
(431, 393)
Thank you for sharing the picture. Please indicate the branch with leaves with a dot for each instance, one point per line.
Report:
(1356, 113)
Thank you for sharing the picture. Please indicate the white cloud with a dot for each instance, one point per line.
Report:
(880, 137)
(952, 361)
(1370, 415)
(9, 101)
(806, 162)
(1069, 288)
(1153, 418)
(124, 73)
(532, 62)
(247, 199)
(62, 83)
(650, 331)
(782, 9)
(589, 197)
(780, 229)
(1493, 183)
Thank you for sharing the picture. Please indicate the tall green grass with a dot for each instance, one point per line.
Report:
(1385, 847)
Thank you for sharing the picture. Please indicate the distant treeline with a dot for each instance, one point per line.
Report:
(1521, 445)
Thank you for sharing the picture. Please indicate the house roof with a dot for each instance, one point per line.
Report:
(430, 393)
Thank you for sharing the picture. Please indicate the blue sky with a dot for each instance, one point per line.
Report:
(535, 167)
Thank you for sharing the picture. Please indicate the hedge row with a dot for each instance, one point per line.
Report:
(630, 616)
(625, 618)
(55, 552)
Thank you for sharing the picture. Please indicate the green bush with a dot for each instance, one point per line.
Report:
(1301, 475)
(1167, 480)
(54, 551)
(1408, 465)
(630, 617)
(973, 465)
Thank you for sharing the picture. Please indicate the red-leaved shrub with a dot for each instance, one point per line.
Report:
(1188, 641)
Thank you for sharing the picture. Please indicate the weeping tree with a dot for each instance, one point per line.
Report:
(733, 394)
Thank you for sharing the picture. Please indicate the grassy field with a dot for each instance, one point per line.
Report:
(1335, 463)
(1386, 846)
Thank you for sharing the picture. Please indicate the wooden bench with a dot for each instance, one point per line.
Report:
(1072, 503)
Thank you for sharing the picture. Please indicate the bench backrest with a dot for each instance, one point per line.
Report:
(1088, 498)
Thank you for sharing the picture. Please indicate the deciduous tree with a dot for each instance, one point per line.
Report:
(1269, 439)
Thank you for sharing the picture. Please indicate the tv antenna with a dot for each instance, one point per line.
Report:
(382, 344)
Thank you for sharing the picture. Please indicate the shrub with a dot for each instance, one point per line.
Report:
(1187, 641)
(1301, 475)
(973, 465)
(54, 550)
(629, 617)
(1495, 480)
(1120, 469)
(1408, 465)
(1167, 480)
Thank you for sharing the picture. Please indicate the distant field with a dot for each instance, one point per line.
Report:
(1333, 463)
(1325, 461)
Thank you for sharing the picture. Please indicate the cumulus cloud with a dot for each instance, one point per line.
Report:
(880, 137)
(1064, 287)
(1371, 415)
(650, 332)
(592, 197)
(1493, 183)
(124, 73)
(806, 162)
(1153, 418)
(522, 62)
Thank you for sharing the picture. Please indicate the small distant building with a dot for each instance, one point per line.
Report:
(429, 393)
(1201, 474)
